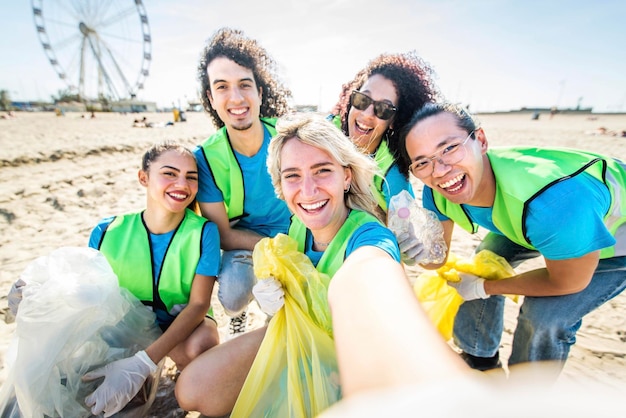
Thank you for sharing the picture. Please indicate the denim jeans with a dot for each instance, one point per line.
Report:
(236, 280)
(546, 326)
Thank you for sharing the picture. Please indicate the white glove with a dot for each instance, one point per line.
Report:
(411, 248)
(122, 380)
(269, 294)
(470, 287)
(15, 295)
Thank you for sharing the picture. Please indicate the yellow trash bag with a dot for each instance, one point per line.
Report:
(295, 371)
(440, 301)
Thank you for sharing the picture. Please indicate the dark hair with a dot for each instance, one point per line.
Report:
(155, 151)
(463, 118)
(412, 78)
(234, 45)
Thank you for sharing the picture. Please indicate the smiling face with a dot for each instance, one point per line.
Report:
(364, 128)
(470, 180)
(233, 93)
(171, 180)
(313, 185)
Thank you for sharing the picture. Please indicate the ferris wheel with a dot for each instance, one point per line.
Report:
(100, 48)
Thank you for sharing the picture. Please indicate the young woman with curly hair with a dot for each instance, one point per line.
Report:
(372, 110)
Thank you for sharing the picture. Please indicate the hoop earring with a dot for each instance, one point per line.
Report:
(348, 189)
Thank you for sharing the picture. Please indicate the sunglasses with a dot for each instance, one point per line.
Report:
(382, 110)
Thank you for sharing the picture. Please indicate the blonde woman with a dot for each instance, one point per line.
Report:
(325, 182)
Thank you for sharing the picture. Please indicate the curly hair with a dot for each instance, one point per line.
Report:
(234, 45)
(413, 80)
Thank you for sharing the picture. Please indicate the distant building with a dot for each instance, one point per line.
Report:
(553, 110)
(194, 107)
(65, 107)
(133, 106)
(24, 106)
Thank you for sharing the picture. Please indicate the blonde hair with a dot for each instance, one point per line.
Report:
(315, 130)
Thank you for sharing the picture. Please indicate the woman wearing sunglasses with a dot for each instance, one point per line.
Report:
(374, 107)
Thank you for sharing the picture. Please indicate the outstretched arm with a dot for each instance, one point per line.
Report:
(382, 336)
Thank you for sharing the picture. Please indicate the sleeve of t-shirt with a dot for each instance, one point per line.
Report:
(394, 183)
(210, 259)
(428, 202)
(375, 235)
(208, 192)
(567, 220)
(98, 231)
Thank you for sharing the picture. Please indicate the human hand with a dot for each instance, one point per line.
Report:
(269, 294)
(15, 295)
(122, 380)
(470, 287)
(411, 248)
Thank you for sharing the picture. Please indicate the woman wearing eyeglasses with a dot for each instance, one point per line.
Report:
(374, 107)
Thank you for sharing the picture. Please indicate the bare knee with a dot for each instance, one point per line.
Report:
(205, 337)
(195, 348)
(192, 395)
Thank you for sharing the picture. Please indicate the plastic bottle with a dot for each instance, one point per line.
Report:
(407, 216)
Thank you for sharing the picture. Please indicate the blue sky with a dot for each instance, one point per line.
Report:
(491, 54)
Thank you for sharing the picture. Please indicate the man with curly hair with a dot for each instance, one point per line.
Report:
(373, 108)
(241, 92)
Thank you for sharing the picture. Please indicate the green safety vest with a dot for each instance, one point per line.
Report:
(221, 160)
(126, 245)
(335, 254)
(523, 173)
(384, 160)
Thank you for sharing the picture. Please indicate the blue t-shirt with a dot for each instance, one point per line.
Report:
(209, 262)
(394, 183)
(371, 233)
(264, 212)
(565, 221)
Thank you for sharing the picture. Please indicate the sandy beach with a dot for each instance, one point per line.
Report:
(61, 175)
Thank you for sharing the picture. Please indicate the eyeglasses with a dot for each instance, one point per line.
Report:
(449, 154)
(361, 101)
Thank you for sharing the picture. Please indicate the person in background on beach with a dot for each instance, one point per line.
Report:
(243, 97)
(142, 123)
(568, 206)
(168, 257)
(326, 184)
(372, 110)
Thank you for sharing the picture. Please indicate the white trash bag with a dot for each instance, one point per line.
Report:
(73, 318)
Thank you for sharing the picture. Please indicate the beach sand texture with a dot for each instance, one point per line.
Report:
(61, 175)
